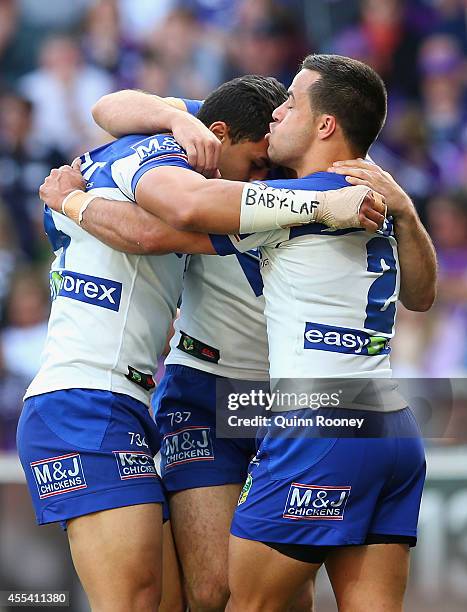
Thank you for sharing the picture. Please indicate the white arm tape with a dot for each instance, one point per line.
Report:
(75, 203)
(266, 208)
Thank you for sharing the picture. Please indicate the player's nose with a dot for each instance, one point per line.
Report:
(277, 115)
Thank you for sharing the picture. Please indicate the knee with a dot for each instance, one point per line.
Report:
(146, 597)
(139, 595)
(209, 596)
(303, 602)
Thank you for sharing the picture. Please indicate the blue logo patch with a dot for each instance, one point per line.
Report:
(135, 464)
(316, 503)
(343, 340)
(155, 145)
(90, 289)
(59, 475)
(189, 444)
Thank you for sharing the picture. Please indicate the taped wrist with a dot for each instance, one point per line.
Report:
(75, 203)
(266, 208)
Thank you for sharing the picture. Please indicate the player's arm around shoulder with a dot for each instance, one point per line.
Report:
(136, 112)
(189, 202)
(122, 225)
(417, 256)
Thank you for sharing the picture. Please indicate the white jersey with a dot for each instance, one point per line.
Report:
(111, 312)
(330, 295)
(222, 328)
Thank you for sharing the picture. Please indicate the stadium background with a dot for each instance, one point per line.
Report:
(57, 58)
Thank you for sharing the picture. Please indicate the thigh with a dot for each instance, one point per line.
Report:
(201, 521)
(117, 555)
(263, 579)
(369, 578)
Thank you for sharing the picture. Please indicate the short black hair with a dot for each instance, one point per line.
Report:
(245, 105)
(353, 93)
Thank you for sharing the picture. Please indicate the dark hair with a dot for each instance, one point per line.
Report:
(245, 104)
(353, 93)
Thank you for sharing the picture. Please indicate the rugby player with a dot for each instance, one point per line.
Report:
(85, 437)
(353, 502)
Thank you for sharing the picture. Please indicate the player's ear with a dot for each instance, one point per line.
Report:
(220, 129)
(326, 126)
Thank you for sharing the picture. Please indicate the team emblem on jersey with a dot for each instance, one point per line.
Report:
(56, 282)
(314, 502)
(188, 343)
(186, 445)
(198, 349)
(58, 475)
(135, 464)
(245, 490)
(146, 381)
(158, 145)
(343, 340)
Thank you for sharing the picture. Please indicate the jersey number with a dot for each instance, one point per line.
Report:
(381, 308)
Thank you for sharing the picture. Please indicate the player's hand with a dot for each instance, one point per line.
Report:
(60, 183)
(362, 172)
(372, 212)
(201, 145)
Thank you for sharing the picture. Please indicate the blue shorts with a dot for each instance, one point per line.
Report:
(191, 454)
(335, 491)
(84, 451)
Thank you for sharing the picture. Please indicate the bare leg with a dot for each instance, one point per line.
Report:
(262, 579)
(369, 578)
(201, 524)
(117, 555)
(173, 598)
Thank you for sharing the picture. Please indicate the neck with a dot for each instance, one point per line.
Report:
(319, 160)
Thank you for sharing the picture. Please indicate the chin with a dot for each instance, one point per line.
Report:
(275, 156)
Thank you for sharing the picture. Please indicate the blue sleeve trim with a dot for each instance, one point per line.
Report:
(157, 163)
(193, 106)
(250, 264)
(222, 244)
(57, 238)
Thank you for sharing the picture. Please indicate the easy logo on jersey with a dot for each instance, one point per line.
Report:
(343, 340)
(155, 145)
(134, 464)
(58, 475)
(314, 502)
(189, 444)
(89, 289)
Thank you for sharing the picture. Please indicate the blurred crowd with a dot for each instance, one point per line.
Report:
(57, 58)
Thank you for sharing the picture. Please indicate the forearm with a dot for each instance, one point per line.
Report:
(128, 228)
(143, 113)
(120, 225)
(417, 260)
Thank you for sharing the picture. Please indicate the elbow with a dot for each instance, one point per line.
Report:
(185, 217)
(99, 107)
(152, 241)
(106, 111)
(422, 303)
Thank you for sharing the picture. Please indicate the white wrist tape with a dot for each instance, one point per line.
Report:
(266, 208)
(75, 203)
